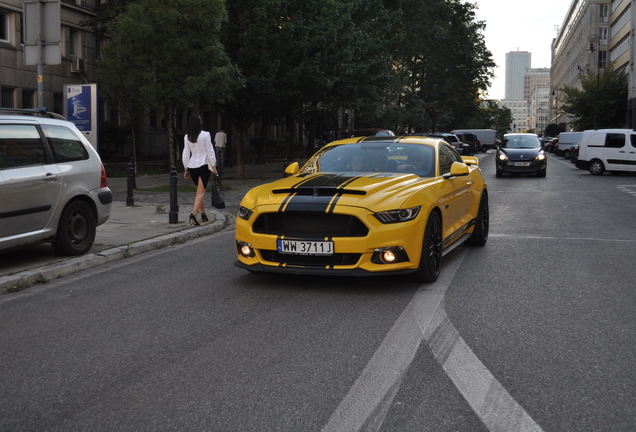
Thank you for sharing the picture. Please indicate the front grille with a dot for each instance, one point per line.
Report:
(310, 260)
(309, 224)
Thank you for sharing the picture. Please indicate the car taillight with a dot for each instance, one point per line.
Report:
(104, 181)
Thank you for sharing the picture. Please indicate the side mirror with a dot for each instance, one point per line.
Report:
(470, 160)
(457, 170)
(292, 169)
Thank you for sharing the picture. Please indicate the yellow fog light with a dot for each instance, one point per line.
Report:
(389, 255)
(245, 249)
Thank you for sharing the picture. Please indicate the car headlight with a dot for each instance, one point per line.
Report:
(400, 215)
(540, 156)
(245, 213)
(503, 156)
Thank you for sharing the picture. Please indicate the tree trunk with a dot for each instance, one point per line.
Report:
(171, 137)
(240, 163)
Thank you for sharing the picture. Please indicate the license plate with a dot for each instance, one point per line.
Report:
(304, 247)
(522, 163)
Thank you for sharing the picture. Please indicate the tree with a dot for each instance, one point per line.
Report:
(601, 102)
(305, 60)
(442, 62)
(165, 55)
(553, 130)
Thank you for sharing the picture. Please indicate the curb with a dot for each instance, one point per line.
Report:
(44, 274)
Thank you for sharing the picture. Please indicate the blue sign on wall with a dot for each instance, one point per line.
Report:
(81, 109)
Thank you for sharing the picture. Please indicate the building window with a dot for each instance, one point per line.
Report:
(602, 59)
(6, 96)
(72, 43)
(4, 27)
(28, 99)
(58, 103)
(604, 12)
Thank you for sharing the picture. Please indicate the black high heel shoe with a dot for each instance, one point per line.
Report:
(193, 220)
(204, 217)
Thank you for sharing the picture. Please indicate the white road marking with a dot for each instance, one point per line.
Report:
(366, 404)
(630, 189)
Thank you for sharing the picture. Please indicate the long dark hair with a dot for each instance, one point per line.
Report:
(194, 128)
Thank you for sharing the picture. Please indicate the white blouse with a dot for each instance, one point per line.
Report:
(196, 154)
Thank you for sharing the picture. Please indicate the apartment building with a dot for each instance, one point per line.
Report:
(520, 110)
(19, 82)
(583, 42)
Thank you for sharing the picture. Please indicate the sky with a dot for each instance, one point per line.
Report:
(519, 25)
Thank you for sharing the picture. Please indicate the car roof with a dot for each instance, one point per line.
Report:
(408, 139)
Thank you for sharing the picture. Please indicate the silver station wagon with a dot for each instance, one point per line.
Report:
(53, 185)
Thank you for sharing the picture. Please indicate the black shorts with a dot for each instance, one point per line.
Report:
(203, 173)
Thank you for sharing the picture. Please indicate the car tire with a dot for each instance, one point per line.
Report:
(566, 154)
(498, 174)
(482, 224)
(596, 167)
(431, 256)
(541, 173)
(484, 148)
(76, 229)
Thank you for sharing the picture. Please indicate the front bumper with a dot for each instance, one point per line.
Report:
(512, 167)
(352, 255)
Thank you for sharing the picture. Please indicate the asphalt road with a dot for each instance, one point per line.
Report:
(534, 331)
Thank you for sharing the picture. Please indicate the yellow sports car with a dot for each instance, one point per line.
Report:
(366, 206)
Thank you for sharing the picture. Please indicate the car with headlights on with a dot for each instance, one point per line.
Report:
(521, 153)
(365, 206)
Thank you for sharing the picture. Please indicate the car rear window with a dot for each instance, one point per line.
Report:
(66, 146)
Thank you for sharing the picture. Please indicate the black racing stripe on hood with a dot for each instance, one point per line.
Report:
(316, 202)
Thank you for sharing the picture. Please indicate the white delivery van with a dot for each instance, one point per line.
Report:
(486, 137)
(567, 140)
(611, 150)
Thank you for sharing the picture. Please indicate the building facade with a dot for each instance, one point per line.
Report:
(582, 43)
(19, 82)
(517, 64)
(520, 110)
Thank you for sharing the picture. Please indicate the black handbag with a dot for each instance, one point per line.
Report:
(218, 198)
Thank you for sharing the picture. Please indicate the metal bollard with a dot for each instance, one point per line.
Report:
(173, 216)
(130, 184)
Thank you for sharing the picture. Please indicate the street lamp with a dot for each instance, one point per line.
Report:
(594, 39)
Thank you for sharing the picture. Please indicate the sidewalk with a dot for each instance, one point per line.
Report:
(132, 230)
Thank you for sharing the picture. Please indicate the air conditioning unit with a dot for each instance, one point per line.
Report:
(78, 65)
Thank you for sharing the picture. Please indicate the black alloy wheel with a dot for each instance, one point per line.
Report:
(482, 224)
(431, 257)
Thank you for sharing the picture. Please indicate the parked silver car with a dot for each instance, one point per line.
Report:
(53, 186)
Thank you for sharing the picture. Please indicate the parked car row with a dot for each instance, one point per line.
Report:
(466, 142)
(597, 150)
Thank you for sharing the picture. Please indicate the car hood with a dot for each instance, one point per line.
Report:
(322, 191)
(515, 153)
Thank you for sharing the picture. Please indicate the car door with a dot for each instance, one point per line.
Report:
(29, 189)
(631, 152)
(617, 151)
(455, 197)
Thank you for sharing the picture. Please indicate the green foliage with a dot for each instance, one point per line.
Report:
(442, 63)
(601, 102)
(408, 65)
(112, 139)
(553, 130)
(166, 54)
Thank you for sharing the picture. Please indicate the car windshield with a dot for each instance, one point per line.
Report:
(521, 142)
(374, 156)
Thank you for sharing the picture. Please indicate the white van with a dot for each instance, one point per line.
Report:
(611, 150)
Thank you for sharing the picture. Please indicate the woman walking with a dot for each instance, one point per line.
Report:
(198, 160)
